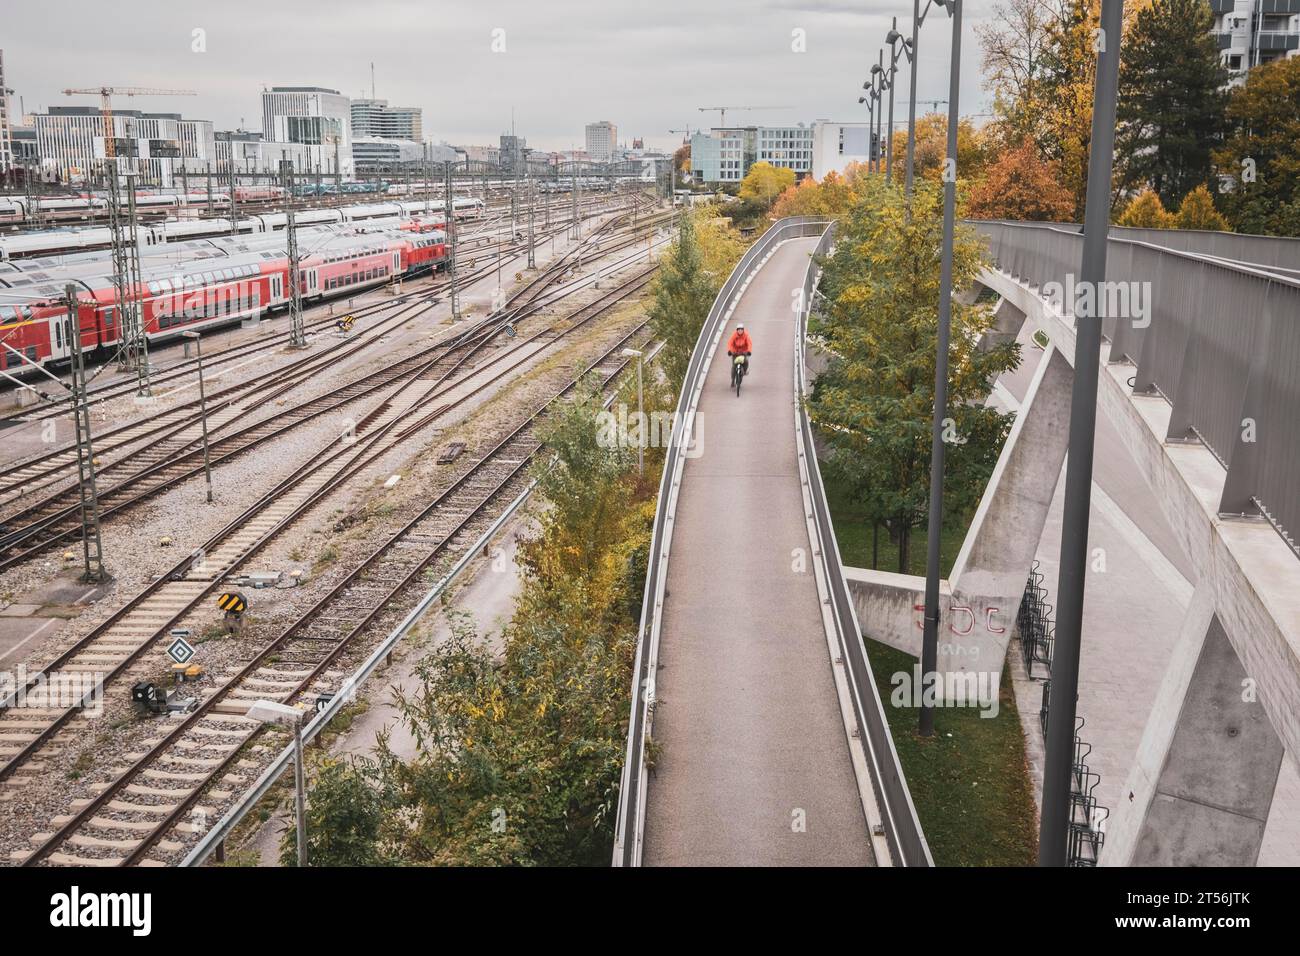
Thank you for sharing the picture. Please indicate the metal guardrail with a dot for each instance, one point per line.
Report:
(907, 844)
(1221, 343)
(217, 835)
(630, 824)
(1279, 252)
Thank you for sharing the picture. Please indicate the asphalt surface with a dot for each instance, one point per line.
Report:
(752, 768)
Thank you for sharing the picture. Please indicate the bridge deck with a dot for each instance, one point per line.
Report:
(747, 726)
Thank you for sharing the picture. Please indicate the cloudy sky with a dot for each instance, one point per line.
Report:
(646, 66)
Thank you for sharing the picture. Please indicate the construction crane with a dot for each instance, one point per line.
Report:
(722, 111)
(106, 94)
(686, 134)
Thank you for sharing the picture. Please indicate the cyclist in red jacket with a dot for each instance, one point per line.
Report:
(740, 344)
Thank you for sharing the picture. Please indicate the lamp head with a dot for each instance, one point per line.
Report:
(892, 37)
(875, 69)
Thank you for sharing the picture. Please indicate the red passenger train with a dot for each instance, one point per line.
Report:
(206, 293)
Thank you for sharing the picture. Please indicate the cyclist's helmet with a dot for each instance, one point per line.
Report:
(740, 326)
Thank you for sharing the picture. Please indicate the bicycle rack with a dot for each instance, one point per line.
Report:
(1037, 634)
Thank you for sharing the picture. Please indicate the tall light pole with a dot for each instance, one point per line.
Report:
(930, 633)
(918, 17)
(878, 76)
(203, 409)
(895, 50)
(1054, 824)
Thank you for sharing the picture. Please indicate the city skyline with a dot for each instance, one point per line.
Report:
(647, 73)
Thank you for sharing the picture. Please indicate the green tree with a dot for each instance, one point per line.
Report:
(1262, 151)
(344, 818)
(875, 401)
(1171, 99)
(683, 295)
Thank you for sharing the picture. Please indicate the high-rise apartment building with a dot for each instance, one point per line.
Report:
(602, 141)
(1253, 32)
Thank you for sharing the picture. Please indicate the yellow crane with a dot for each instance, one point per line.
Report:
(106, 94)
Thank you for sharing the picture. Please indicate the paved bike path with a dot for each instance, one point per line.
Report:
(752, 765)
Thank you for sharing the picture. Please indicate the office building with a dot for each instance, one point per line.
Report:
(602, 141)
(312, 116)
(377, 118)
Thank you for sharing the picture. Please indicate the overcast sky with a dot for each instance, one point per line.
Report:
(647, 67)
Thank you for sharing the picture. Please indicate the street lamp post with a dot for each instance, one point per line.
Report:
(878, 75)
(895, 50)
(203, 409)
(930, 633)
(640, 413)
(918, 17)
(270, 712)
(1053, 835)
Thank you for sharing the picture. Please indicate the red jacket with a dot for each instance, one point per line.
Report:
(740, 342)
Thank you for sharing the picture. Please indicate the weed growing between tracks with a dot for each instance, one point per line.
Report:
(520, 750)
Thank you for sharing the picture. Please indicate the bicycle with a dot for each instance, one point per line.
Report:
(739, 367)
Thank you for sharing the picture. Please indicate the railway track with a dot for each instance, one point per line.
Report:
(114, 647)
(140, 817)
(57, 406)
(174, 453)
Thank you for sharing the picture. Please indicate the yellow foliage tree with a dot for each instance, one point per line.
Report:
(1197, 212)
(830, 197)
(764, 183)
(1146, 211)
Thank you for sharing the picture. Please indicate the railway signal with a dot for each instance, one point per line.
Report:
(232, 602)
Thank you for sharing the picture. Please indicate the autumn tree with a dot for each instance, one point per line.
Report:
(932, 148)
(1197, 212)
(1069, 70)
(1021, 185)
(873, 404)
(1171, 99)
(1146, 212)
(830, 197)
(1261, 154)
(1014, 40)
(520, 739)
(683, 294)
(763, 183)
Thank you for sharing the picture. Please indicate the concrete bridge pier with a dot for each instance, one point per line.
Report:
(978, 604)
(1200, 789)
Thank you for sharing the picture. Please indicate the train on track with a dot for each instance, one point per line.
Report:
(212, 287)
(20, 211)
(61, 242)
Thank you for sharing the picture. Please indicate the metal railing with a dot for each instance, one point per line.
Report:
(1280, 252)
(630, 825)
(907, 844)
(1219, 341)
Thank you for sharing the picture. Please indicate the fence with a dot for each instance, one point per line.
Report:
(902, 828)
(1219, 341)
(1279, 252)
(1034, 628)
